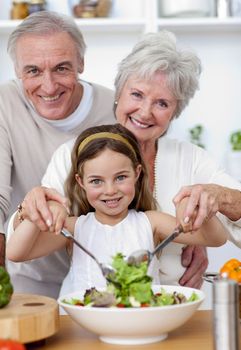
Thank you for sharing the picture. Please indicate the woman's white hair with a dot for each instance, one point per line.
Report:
(158, 52)
(46, 23)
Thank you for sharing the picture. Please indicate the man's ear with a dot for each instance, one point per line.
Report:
(81, 66)
(79, 180)
(17, 72)
(138, 171)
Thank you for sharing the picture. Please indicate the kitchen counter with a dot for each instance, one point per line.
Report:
(195, 334)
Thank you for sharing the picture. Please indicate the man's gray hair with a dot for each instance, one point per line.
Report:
(46, 23)
(158, 52)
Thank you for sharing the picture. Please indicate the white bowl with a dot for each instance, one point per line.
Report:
(133, 326)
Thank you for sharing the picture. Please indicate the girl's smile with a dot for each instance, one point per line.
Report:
(109, 182)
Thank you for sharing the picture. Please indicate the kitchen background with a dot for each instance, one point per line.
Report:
(212, 28)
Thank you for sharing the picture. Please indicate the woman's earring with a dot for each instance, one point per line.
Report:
(115, 106)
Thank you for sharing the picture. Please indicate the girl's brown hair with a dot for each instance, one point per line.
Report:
(79, 204)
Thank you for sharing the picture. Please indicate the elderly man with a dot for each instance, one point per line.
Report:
(45, 106)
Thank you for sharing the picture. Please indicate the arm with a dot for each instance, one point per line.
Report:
(35, 202)
(35, 206)
(28, 242)
(2, 249)
(210, 199)
(195, 259)
(212, 233)
(224, 194)
(5, 179)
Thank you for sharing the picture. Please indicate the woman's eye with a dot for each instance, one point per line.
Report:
(162, 103)
(136, 94)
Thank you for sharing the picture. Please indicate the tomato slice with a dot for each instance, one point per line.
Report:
(120, 305)
(7, 344)
(145, 305)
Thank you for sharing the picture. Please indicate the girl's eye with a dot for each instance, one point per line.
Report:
(121, 178)
(95, 181)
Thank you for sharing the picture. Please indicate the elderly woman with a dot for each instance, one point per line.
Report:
(154, 84)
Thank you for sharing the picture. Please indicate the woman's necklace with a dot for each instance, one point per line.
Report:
(155, 178)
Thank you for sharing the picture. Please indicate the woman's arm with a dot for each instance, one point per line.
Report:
(210, 199)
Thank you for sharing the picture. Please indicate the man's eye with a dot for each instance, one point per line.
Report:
(62, 69)
(33, 71)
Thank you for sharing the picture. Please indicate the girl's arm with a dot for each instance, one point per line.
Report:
(28, 242)
(212, 233)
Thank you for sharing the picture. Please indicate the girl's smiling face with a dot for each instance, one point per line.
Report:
(109, 182)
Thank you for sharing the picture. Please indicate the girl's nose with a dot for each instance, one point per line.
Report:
(110, 188)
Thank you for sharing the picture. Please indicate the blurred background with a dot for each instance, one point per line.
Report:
(212, 28)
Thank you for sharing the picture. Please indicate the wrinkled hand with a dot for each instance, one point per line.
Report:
(35, 206)
(195, 259)
(204, 199)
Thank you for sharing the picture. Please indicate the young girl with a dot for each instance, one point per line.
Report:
(112, 207)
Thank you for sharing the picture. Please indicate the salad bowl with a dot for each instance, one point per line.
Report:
(133, 325)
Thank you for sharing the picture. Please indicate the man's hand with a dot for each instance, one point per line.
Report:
(2, 249)
(35, 207)
(194, 258)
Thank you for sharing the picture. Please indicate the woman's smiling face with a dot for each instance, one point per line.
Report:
(146, 107)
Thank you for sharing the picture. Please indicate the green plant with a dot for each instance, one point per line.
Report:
(195, 135)
(235, 140)
(6, 288)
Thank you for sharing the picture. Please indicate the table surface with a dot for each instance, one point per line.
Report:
(194, 334)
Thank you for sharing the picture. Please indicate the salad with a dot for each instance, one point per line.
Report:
(130, 286)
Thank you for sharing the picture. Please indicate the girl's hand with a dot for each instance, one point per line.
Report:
(59, 215)
(186, 222)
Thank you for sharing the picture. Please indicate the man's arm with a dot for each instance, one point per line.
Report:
(2, 249)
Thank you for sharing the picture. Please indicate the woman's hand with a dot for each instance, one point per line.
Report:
(35, 206)
(195, 259)
(208, 200)
(204, 199)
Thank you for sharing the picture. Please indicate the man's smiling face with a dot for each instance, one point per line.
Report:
(48, 66)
